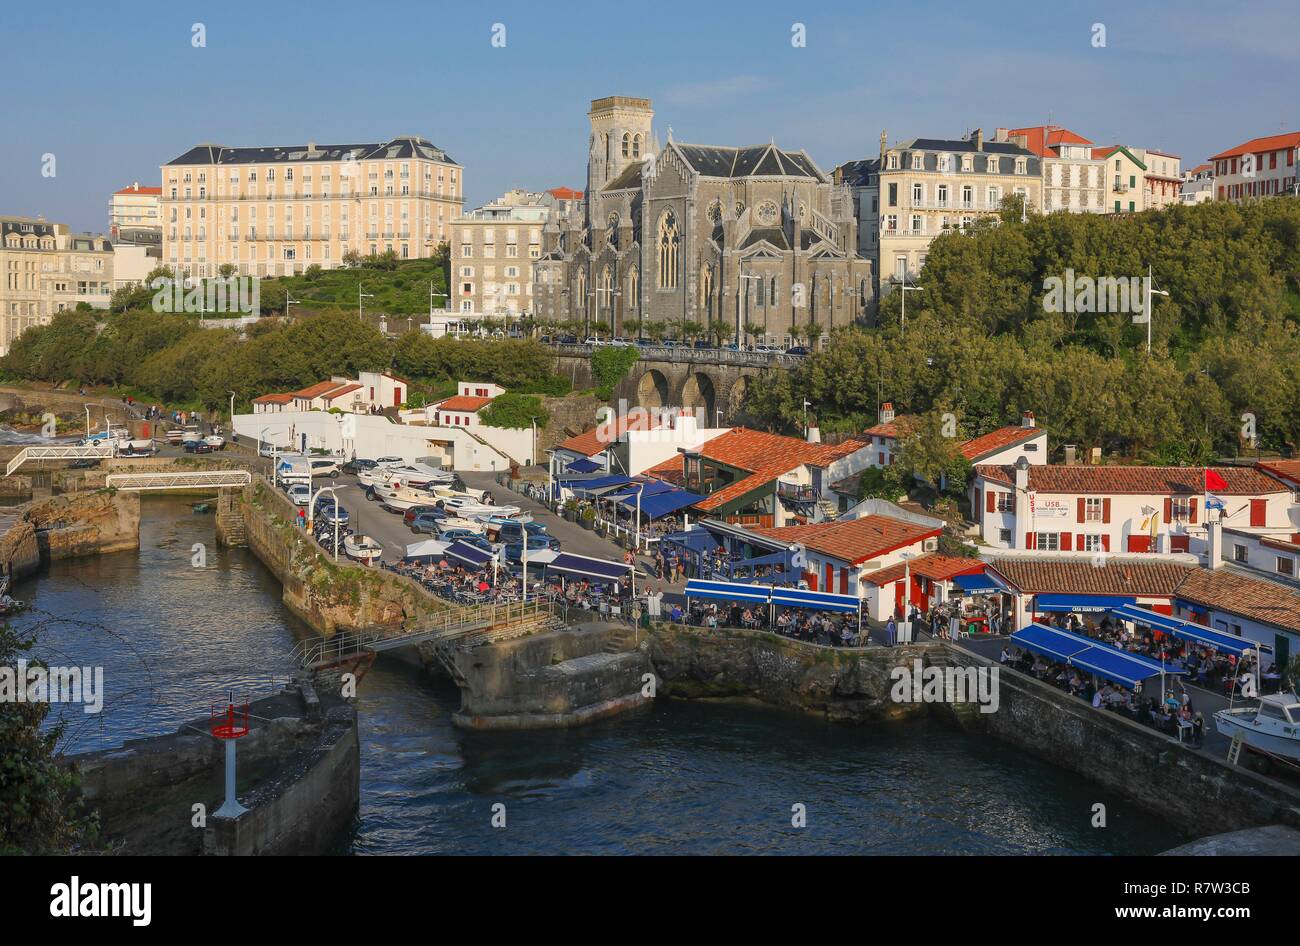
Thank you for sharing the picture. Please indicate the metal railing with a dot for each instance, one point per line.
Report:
(196, 479)
(688, 355)
(68, 452)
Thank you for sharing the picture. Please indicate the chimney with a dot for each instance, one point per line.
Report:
(978, 138)
(311, 147)
(1001, 134)
(814, 432)
(1214, 542)
(135, 186)
(686, 425)
(887, 412)
(1071, 454)
(1022, 475)
(1027, 419)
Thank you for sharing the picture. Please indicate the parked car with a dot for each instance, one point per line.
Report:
(513, 531)
(797, 350)
(356, 465)
(197, 446)
(331, 512)
(265, 449)
(568, 339)
(324, 466)
(670, 343)
(702, 344)
(451, 535)
(299, 493)
(425, 523)
(515, 550)
(409, 516)
(593, 340)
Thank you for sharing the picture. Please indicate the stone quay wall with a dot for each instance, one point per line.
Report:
(70, 526)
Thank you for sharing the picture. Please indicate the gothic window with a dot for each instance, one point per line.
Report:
(633, 293)
(580, 303)
(627, 144)
(706, 292)
(669, 251)
(636, 146)
(714, 210)
(605, 293)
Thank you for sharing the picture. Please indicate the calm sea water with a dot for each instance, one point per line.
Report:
(679, 777)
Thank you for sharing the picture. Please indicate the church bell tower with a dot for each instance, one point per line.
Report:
(621, 134)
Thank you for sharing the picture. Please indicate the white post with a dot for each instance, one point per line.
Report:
(524, 528)
(640, 490)
(230, 808)
(87, 421)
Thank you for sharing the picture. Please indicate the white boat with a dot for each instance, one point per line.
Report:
(376, 474)
(215, 441)
(362, 548)
(1272, 727)
(401, 498)
(454, 522)
(464, 506)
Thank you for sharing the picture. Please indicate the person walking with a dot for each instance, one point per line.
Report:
(891, 632)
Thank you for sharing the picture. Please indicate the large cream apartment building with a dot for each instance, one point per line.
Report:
(929, 186)
(47, 268)
(275, 211)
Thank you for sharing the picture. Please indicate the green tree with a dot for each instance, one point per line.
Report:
(516, 411)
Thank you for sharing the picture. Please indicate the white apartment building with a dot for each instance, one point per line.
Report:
(133, 208)
(1198, 185)
(1261, 167)
(1117, 508)
(274, 211)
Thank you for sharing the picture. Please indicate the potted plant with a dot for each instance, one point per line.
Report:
(588, 517)
(570, 509)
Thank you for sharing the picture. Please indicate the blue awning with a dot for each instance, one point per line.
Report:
(1152, 619)
(975, 584)
(661, 504)
(1049, 641)
(776, 558)
(471, 555)
(1079, 603)
(583, 466)
(645, 488)
(598, 484)
(815, 600)
(596, 568)
(695, 540)
(728, 590)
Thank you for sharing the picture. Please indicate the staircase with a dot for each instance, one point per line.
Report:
(621, 640)
(232, 531)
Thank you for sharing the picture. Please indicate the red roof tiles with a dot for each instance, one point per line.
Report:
(593, 441)
(464, 402)
(853, 540)
(1257, 145)
(1136, 480)
(935, 566)
(996, 440)
(1288, 470)
(1043, 140)
(1254, 598)
(1083, 576)
(317, 389)
(273, 399)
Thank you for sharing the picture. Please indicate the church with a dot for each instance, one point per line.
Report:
(757, 239)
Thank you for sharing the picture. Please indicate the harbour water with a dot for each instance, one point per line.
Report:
(679, 777)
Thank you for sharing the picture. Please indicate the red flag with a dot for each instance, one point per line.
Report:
(1214, 481)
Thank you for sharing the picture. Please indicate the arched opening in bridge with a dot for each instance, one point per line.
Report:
(652, 389)
(698, 395)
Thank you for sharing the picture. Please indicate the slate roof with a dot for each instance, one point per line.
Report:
(394, 150)
(754, 161)
(629, 179)
(860, 173)
(853, 540)
(1137, 480)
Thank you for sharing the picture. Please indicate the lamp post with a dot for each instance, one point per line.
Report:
(87, 421)
(639, 490)
(362, 295)
(806, 405)
(232, 412)
(288, 302)
(907, 588)
(1146, 307)
(903, 315)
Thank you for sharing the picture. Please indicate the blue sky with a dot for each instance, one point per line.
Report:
(115, 90)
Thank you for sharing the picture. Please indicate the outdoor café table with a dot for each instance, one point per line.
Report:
(1184, 727)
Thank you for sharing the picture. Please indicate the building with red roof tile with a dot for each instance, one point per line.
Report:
(1074, 179)
(1260, 167)
(1065, 508)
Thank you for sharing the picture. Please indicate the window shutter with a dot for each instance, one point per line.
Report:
(1080, 504)
(1065, 541)
(1191, 510)
(1258, 512)
(1105, 542)
(1029, 540)
(1169, 510)
(1105, 509)
(991, 501)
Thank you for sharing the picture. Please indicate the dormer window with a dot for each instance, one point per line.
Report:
(967, 163)
(945, 164)
(1020, 165)
(893, 161)
(918, 162)
(991, 166)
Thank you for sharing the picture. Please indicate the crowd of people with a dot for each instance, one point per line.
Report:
(1173, 714)
(815, 627)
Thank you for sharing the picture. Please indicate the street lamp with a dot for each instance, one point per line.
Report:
(905, 290)
(806, 405)
(1146, 308)
(288, 302)
(232, 412)
(362, 295)
(87, 421)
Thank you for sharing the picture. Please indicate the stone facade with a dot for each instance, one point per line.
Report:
(756, 241)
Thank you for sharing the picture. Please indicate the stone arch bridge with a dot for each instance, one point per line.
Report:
(710, 380)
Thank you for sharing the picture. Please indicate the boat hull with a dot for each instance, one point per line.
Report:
(1229, 724)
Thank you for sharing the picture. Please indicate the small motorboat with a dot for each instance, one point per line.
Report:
(175, 435)
(201, 507)
(1272, 727)
(215, 441)
(362, 548)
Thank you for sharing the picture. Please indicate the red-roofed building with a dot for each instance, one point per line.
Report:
(272, 403)
(1261, 167)
(462, 408)
(1004, 445)
(1077, 508)
(135, 208)
(755, 478)
(842, 556)
(1074, 179)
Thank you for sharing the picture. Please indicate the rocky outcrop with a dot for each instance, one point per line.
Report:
(70, 526)
(554, 679)
(849, 685)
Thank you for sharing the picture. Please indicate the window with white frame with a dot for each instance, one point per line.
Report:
(1048, 541)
